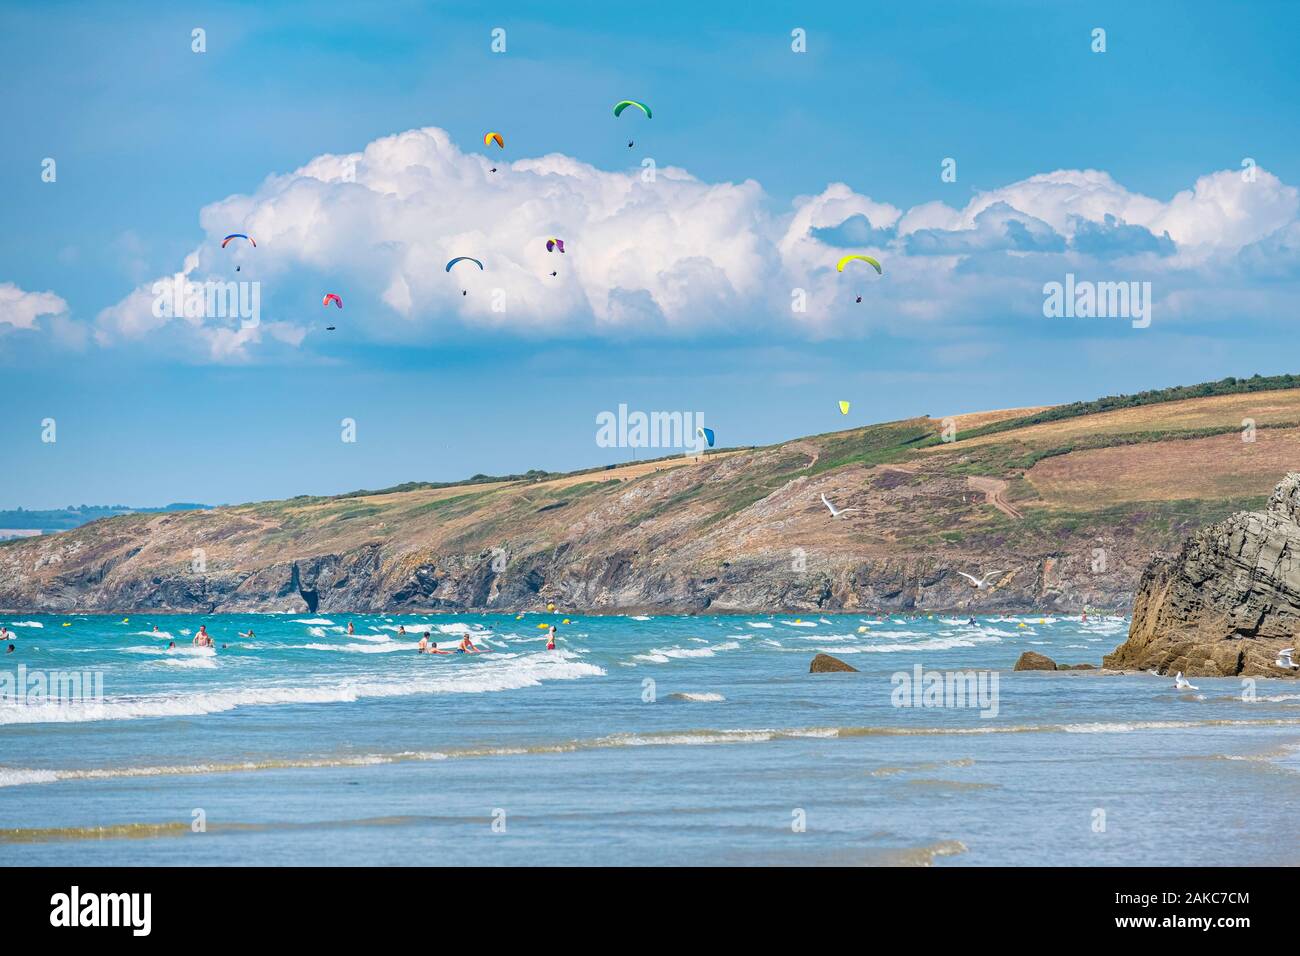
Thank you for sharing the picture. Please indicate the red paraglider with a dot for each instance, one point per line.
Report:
(337, 301)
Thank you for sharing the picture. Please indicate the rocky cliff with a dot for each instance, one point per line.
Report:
(1061, 515)
(1228, 602)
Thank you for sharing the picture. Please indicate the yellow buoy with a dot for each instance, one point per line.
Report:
(565, 621)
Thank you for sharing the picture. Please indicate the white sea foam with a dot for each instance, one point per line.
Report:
(387, 648)
(661, 655)
(202, 663)
(26, 624)
(762, 624)
(187, 651)
(490, 674)
(13, 777)
(312, 620)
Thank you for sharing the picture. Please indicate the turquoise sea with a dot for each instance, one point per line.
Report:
(666, 740)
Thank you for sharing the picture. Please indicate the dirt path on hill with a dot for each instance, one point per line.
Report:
(994, 493)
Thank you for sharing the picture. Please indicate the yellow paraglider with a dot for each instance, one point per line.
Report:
(844, 408)
(839, 266)
(490, 138)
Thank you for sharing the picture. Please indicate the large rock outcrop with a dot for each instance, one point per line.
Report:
(1228, 602)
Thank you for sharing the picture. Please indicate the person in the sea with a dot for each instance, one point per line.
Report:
(202, 639)
(424, 643)
(401, 630)
(155, 628)
(550, 639)
(5, 635)
(433, 645)
(351, 630)
(248, 635)
(171, 645)
(467, 646)
(11, 649)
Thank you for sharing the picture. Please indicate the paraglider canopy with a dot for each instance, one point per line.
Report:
(489, 138)
(553, 244)
(844, 408)
(839, 266)
(624, 104)
(237, 235)
(463, 259)
(338, 302)
(706, 434)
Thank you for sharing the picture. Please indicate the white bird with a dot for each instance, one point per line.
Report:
(1284, 659)
(1182, 683)
(981, 583)
(835, 512)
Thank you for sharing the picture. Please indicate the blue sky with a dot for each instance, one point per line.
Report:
(153, 140)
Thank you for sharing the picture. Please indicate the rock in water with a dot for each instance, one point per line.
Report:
(1033, 661)
(1230, 600)
(825, 664)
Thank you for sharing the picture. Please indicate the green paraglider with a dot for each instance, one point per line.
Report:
(624, 104)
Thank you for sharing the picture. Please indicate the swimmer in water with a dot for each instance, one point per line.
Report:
(467, 646)
(424, 643)
(550, 639)
(433, 645)
(171, 645)
(351, 630)
(249, 634)
(11, 649)
(401, 630)
(202, 639)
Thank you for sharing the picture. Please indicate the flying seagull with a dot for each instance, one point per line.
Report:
(981, 583)
(1182, 683)
(1284, 659)
(835, 512)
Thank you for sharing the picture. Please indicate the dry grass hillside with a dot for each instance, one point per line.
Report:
(1040, 489)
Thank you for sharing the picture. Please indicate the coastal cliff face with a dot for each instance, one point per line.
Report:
(1228, 602)
(1058, 515)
